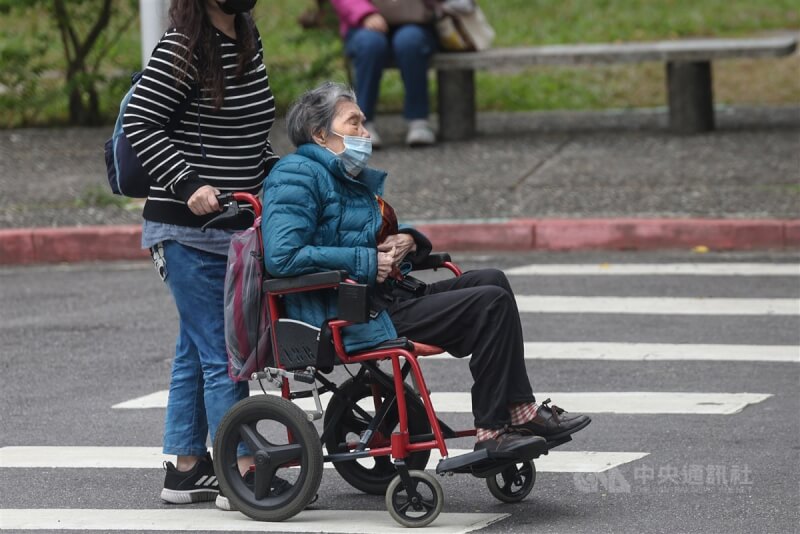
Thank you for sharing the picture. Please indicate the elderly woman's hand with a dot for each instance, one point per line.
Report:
(385, 264)
(402, 244)
(375, 22)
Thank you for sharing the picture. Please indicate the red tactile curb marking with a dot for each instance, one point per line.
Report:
(105, 243)
(638, 234)
(69, 245)
(617, 234)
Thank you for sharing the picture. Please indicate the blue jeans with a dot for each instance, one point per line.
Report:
(411, 46)
(200, 390)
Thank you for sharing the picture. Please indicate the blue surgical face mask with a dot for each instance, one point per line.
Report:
(356, 153)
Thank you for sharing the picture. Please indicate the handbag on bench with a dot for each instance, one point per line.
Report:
(399, 12)
(462, 27)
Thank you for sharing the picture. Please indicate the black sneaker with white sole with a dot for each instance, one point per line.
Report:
(196, 485)
(278, 486)
(223, 503)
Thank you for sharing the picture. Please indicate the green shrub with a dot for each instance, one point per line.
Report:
(38, 88)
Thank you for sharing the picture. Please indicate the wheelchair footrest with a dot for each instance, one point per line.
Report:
(483, 463)
(462, 462)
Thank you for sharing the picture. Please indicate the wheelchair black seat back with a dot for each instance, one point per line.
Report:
(378, 428)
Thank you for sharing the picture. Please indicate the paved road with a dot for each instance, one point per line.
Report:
(86, 347)
(541, 165)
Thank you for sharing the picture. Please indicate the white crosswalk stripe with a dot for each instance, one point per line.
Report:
(152, 457)
(655, 352)
(171, 520)
(641, 400)
(649, 269)
(629, 402)
(657, 306)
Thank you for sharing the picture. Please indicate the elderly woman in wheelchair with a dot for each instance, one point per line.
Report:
(323, 212)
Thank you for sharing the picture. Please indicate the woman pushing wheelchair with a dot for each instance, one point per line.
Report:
(323, 211)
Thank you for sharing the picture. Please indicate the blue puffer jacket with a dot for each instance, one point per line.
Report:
(317, 218)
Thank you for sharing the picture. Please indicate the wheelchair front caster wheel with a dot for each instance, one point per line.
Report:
(513, 483)
(287, 458)
(417, 506)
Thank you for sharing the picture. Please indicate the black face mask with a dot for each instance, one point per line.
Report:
(232, 7)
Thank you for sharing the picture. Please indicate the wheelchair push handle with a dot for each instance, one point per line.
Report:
(231, 205)
(233, 201)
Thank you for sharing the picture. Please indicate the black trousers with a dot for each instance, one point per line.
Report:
(477, 314)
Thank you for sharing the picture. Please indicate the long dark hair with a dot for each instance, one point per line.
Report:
(191, 19)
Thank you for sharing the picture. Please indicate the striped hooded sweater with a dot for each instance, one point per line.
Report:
(227, 148)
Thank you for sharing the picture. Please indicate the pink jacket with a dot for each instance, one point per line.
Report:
(351, 13)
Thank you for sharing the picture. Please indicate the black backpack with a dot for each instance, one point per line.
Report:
(126, 176)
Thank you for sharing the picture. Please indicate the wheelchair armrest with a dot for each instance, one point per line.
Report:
(433, 260)
(306, 282)
(353, 298)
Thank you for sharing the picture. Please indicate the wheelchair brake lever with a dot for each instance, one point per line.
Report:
(230, 210)
(275, 375)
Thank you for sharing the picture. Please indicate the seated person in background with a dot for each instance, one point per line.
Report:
(370, 42)
(323, 211)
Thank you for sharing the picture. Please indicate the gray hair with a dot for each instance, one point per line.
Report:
(314, 111)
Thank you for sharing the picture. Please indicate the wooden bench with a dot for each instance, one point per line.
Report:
(688, 63)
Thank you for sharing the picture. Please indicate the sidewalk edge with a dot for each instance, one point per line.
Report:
(617, 234)
(24, 246)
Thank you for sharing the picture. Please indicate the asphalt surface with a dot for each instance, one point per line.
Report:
(77, 339)
(562, 164)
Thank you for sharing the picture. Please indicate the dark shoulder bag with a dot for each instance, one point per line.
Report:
(399, 12)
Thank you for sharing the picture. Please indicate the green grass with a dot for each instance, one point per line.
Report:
(298, 59)
(100, 197)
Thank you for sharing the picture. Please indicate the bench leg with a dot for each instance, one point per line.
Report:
(691, 99)
(456, 104)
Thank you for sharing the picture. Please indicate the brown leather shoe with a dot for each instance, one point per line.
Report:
(552, 423)
(511, 441)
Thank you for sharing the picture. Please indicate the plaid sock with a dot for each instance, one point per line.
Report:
(487, 433)
(523, 412)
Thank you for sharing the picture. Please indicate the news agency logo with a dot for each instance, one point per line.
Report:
(669, 478)
(610, 481)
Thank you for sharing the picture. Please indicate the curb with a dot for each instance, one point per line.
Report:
(616, 234)
(25, 246)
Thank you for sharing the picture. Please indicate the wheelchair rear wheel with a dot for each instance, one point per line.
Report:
(287, 464)
(370, 475)
(513, 483)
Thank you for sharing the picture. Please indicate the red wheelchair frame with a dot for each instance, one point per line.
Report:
(413, 497)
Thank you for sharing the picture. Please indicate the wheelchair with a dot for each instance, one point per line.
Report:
(379, 426)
